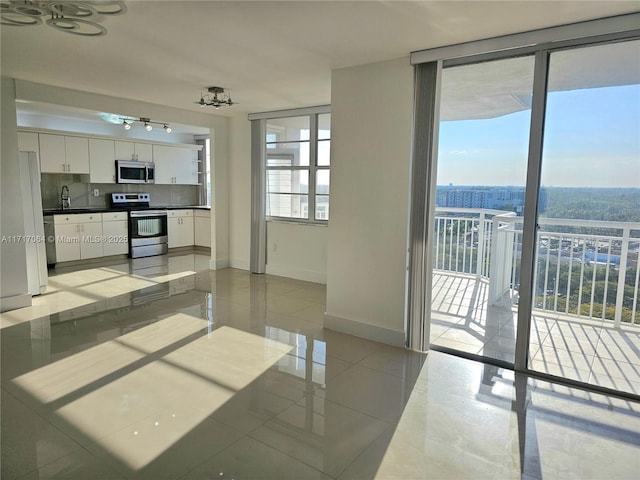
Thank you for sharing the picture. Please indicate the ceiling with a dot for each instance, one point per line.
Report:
(270, 55)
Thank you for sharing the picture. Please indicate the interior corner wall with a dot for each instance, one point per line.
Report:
(219, 136)
(239, 191)
(14, 289)
(371, 115)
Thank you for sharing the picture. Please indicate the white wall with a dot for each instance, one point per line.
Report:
(239, 192)
(371, 115)
(13, 261)
(220, 184)
(297, 251)
(301, 250)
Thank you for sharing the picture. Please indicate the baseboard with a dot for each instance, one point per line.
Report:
(239, 263)
(217, 264)
(297, 273)
(365, 330)
(14, 302)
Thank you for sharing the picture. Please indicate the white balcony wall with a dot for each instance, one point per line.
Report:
(371, 108)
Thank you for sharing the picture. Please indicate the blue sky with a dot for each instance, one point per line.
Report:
(592, 138)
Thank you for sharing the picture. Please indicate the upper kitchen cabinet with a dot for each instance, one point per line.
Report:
(102, 161)
(142, 152)
(175, 165)
(63, 154)
(28, 142)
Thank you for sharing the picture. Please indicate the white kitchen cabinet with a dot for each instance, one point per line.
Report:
(78, 236)
(53, 157)
(67, 245)
(91, 244)
(63, 154)
(142, 152)
(102, 161)
(187, 167)
(175, 165)
(28, 142)
(115, 233)
(202, 228)
(77, 154)
(180, 228)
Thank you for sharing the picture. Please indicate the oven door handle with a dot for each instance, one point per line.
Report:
(149, 213)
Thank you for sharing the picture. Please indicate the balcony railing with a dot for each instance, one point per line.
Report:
(580, 264)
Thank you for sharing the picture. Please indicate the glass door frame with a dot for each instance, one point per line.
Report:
(424, 173)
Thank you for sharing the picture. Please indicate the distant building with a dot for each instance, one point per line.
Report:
(493, 198)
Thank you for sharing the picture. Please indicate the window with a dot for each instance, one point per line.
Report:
(297, 167)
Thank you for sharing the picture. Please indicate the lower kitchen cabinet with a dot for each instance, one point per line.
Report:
(78, 236)
(115, 233)
(202, 228)
(180, 228)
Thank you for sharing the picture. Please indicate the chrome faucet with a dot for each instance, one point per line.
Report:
(65, 200)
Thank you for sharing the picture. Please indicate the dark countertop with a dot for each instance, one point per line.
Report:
(59, 211)
(71, 211)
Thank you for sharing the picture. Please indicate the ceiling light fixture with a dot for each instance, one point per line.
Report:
(148, 123)
(216, 97)
(70, 16)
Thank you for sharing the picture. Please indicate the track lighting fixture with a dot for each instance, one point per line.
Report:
(147, 122)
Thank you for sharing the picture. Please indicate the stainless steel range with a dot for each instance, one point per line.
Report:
(147, 227)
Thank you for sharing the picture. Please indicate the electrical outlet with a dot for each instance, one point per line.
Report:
(96, 192)
(275, 247)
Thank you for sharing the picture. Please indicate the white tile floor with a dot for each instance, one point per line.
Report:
(161, 369)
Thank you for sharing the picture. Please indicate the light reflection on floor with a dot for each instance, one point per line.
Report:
(230, 375)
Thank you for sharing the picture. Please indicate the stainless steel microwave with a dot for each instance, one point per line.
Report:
(135, 172)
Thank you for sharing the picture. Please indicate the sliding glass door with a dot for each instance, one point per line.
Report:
(485, 114)
(586, 311)
(545, 279)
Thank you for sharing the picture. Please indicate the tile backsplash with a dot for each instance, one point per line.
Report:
(81, 193)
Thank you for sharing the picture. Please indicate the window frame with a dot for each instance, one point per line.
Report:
(312, 168)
